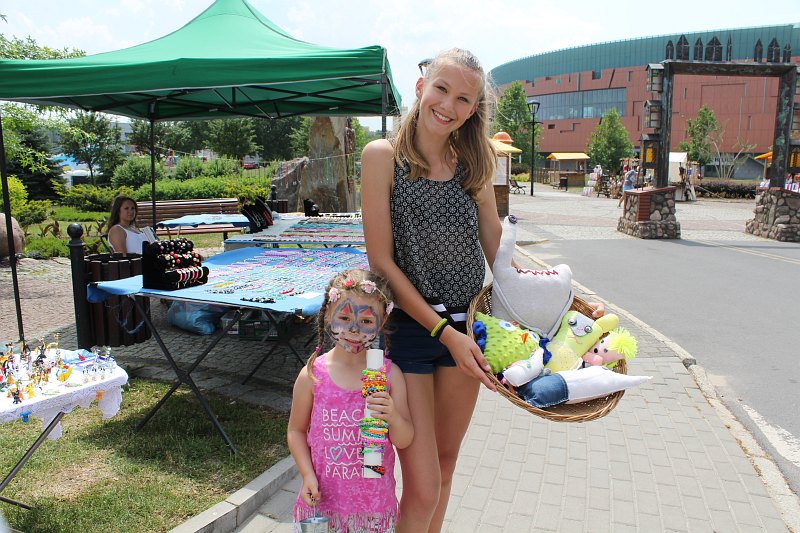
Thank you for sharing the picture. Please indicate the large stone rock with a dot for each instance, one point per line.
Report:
(18, 236)
(328, 179)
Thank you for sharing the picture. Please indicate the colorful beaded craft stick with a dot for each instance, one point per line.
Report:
(373, 431)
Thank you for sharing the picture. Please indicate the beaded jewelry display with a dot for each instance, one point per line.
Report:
(374, 431)
(173, 264)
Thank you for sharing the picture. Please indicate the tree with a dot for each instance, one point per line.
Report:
(167, 136)
(273, 137)
(700, 131)
(20, 121)
(92, 138)
(37, 178)
(198, 134)
(610, 142)
(514, 117)
(233, 137)
(300, 137)
(726, 163)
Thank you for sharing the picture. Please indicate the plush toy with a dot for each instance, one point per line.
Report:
(506, 345)
(534, 299)
(618, 344)
(577, 334)
(502, 342)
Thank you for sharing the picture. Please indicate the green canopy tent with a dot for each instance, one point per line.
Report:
(229, 61)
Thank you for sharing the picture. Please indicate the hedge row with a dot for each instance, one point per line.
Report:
(725, 189)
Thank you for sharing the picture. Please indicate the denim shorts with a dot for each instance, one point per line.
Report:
(412, 348)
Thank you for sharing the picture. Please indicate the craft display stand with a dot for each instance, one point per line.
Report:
(284, 280)
(328, 230)
(56, 403)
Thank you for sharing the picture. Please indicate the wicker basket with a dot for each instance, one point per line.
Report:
(577, 412)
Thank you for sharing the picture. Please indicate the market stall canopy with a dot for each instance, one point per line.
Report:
(567, 156)
(228, 61)
(766, 156)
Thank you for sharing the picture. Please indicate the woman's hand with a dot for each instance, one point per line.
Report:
(309, 492)
(468, 357)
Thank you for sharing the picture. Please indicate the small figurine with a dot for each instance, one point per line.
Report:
(17, 395)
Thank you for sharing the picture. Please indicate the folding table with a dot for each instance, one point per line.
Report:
(286, 280)
(52, 405)
(329, 230)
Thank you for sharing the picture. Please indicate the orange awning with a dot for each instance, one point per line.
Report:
(767, 156)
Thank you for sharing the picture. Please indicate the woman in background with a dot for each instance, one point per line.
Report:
(123, 235)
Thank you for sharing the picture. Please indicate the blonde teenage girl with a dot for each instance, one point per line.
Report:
(429, 220)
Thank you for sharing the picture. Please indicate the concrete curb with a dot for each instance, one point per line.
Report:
(787, 502)
(237, 508)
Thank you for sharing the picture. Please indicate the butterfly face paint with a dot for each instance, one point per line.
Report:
(354, 324)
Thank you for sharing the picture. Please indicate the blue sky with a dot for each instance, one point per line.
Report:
(496, 31)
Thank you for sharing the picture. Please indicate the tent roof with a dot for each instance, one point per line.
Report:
(678, 157)
(228, 61)
(502, 147)
(567, 156)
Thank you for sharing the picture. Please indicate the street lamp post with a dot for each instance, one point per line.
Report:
(533, 105)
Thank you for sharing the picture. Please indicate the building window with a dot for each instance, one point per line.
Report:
(629, 75)
(685, 91)
(596, 74)
(581, 104)
(551, 126)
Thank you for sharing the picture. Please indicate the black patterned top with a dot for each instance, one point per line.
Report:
(435, 230)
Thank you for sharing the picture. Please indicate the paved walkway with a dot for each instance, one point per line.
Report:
(668, 458)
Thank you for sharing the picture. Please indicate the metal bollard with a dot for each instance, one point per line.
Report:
(83, 324)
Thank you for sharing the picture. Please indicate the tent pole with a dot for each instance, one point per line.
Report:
(384, 104)
(12, 256)
(153, 164)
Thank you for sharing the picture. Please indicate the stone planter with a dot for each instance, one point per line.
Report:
(650, 214)
(776, 215)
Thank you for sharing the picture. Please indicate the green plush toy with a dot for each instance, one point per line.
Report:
(505, 342)
(576, 335)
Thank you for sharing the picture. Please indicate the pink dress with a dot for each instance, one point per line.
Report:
(352, 504)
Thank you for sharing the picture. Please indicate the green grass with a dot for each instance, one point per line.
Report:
(106, 476)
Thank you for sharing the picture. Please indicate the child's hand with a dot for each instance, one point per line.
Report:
(382, 406)
(309, 492)
(598, 309)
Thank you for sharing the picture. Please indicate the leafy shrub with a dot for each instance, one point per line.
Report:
(71, 214)
(189, 168)
(134, 172)
(44, 247)
(206, 187)
(726, 189)
(91, 198)
(17, 195)
(33, 212)
(520, 168)
(222, 167)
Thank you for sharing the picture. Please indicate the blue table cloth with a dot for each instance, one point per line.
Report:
(240, 221)
(294, 277)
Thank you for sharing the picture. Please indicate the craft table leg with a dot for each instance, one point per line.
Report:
(282, 339)
(25, 458)
(185, 377)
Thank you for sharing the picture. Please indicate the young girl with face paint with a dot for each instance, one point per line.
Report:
(326, 430)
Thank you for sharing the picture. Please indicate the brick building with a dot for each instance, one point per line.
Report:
(576, 86)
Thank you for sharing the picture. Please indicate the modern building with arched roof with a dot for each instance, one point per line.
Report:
(577, 86)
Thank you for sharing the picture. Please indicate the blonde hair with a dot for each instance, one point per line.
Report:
(470, 143)
(362, 283)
